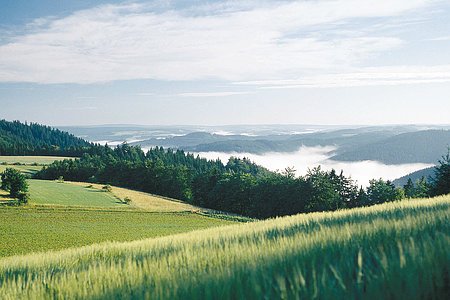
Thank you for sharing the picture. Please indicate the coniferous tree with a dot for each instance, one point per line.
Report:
(441, 181)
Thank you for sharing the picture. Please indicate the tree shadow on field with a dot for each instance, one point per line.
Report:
(96, 191)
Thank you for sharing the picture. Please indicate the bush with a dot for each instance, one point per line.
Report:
(126, 200)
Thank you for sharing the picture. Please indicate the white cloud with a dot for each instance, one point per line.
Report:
(230, 41)
(399, 75)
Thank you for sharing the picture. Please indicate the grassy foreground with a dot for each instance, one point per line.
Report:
(390, 251)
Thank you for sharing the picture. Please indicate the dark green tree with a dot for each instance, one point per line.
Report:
(380, 191)
(441, 181)
(15, 183)
(422, 188)
(410, 190)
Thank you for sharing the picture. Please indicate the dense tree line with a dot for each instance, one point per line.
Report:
(17, 138)
(240, 186)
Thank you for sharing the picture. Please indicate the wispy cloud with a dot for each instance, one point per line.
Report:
(230, 41)
(365, 77)
(80, 108)
(145, 94)
(440, 39)
(213, 94)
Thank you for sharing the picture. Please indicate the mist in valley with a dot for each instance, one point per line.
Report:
(309, 157)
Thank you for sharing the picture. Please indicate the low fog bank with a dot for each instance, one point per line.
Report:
(309, 157)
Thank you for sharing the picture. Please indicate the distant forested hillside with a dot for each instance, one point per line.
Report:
(414, 147)
(17, 138)
(414, 176)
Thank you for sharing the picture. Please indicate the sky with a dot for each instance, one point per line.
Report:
(329, 62)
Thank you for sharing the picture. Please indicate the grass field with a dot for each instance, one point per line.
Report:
(25, 230)
(46, 192)
(62, 215)
(143, 200)
(28, 165)
(28, 160)
(388, 251)
(25, 169)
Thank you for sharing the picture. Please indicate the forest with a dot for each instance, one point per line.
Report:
(18, 138)
(240, 186)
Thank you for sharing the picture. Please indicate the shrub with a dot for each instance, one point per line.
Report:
(107, 188)
(126, 200)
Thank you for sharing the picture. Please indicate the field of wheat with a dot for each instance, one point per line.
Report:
(394, 250)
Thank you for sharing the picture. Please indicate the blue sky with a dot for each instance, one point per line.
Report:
(225, 62)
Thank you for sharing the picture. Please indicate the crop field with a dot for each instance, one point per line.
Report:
(389, 251)
(34, 229)
(47, 192)
(63, 215)
(29, 160)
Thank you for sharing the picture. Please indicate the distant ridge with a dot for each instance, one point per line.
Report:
(18, 138)
(426, 173)
(413, 147)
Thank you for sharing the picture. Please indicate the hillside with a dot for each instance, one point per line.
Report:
(61, 215)
(389, 251)
(414, 147)
(33, 139)
(426, 173)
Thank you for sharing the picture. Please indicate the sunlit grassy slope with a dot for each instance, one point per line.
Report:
(46, 192)
(143, 200)
(390, 251)
(28, 165)
(24, 169)
(28, 160)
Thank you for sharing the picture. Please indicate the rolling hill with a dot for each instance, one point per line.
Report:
(413, 147)
(426, 173)
(17, 138)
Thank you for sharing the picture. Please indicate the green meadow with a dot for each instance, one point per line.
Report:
(66, 214)
(390, 251)
(46, 192)
(37, 229)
